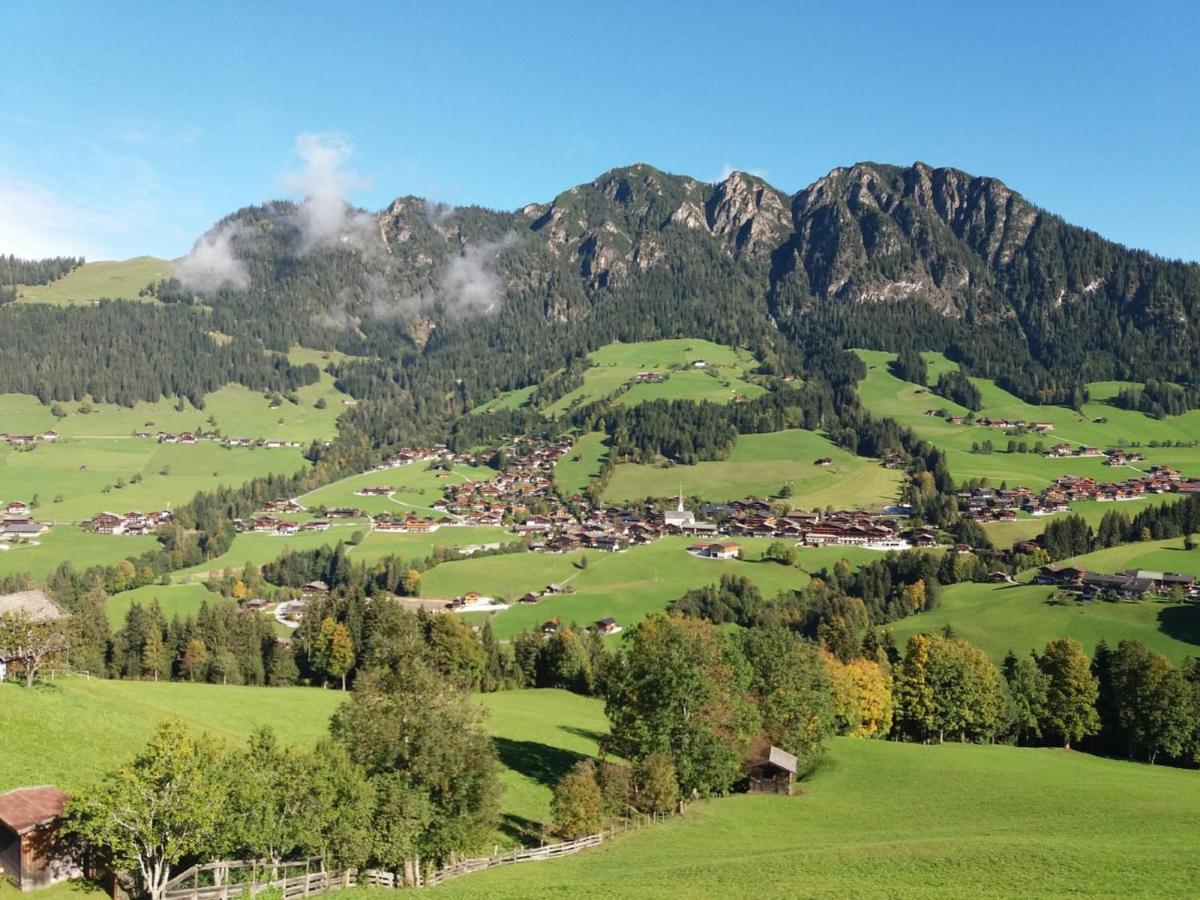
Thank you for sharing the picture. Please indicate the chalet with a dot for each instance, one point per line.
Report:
(107, 523)
(32, 852)
(721, 550)
(17, 508)
(49, 436)
(531, 597)
(343, 512)
(187, 438)
(824, 461)
(551, 626)
(314, 590)
(772, 773)
(20, 440)
(1043, 427)
(606, 626)
(22, 527)
(316, 525)
(381, 490)
(1063, 576)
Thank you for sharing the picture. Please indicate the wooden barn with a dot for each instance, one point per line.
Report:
(773, 773)
(32, 852)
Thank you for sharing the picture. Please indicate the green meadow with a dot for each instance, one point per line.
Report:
(615, 365)
(69, 477)
(72, 731)
(416, 486)
(69, 543)
(1026, 527)
(999, 617)
(625, 586)
(760, 465)
(111, 279)
(175, 600)
(573, 472)
(886, 395)
(882, 819)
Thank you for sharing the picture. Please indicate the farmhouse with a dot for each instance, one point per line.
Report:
(607, 626)
(32, 853)
(721, 550)
(17, 508)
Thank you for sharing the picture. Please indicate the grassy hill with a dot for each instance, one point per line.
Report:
(720, 378)
(112, 279)
(625, 586)
(71, 732)
(886, 395)
(998, 618)
(760, 465)
(903, 820)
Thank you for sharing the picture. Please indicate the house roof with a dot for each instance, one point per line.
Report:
(34, 604)
(782, 759)
(24, 809)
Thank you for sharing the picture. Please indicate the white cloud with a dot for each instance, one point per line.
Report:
(324, 183)
(211, 263)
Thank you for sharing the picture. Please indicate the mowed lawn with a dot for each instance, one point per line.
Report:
(760, 465)
(885, 395)
(175, 600)
(625, 586)
(79, 470)
(999, 618)
(111, 279)
(72, 731)
(615, 365)
(883, 819)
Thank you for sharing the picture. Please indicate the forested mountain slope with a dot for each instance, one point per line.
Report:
(450, 306)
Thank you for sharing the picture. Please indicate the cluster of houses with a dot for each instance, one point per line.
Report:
(189, 437)
(134, 523)
(602, 626)
(439, 453)
(20, 440)
(1128, 585)
(1113, 456)
(18, 523)
(1003, 504)
(1013, 426)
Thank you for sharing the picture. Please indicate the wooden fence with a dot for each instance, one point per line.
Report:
(223, 880)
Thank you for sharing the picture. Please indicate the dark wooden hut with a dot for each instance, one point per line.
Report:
(773, 773)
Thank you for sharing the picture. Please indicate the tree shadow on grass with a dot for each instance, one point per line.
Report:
(1181, 622)
(525, 832)
(585, 733)
(540, 762)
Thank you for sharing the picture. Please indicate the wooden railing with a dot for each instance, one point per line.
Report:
(228, 880)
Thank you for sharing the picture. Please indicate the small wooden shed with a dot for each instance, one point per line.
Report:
(773, 773)
(32, 852)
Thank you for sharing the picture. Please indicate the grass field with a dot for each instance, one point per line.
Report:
(237, 411)
(416, 487)
(79, 470)
(886, 395)
(902, 820)
(760, 465)
(614, 365)
(573, 474)
(112, 279)
(626, 586)
(1026, 528)
(72, 731)
(999, 618)
(69, 543)
(180, 600)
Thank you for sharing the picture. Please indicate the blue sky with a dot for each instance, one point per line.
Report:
(129, 128)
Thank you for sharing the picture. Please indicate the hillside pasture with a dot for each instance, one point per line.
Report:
(576, 469)
(881, 819)
(73, 730)
(759, 466)
(626, 586)
(614, 366)
(69, 543)
(111, 279)
(1026, 527)
(78, 470)
(416, 486)
(999, 617)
